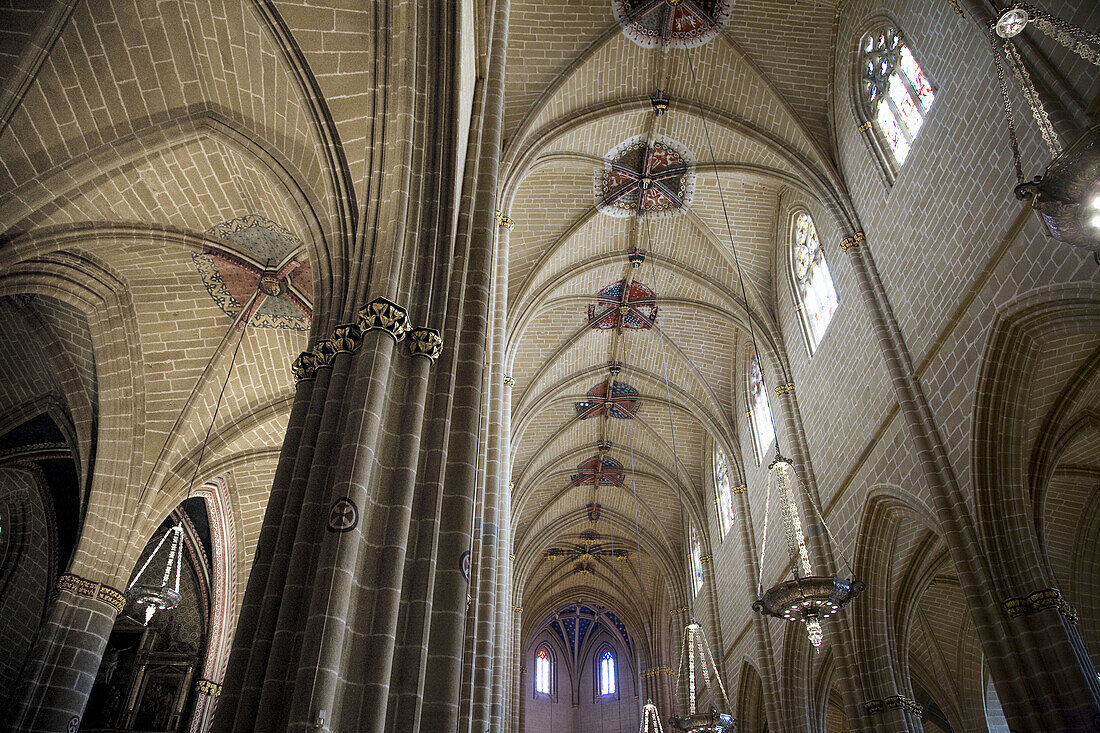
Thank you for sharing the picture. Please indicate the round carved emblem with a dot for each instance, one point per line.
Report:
(74, 724)
(464, 563)
(344, 515)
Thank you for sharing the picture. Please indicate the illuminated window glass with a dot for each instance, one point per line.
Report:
(896, 93)
(816, 294)
(722, 494)
(543, 667)
(607, 673)
(760, 414)
(696, 562)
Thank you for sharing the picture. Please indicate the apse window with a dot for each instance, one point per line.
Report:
(816, 295)
(543, 668)
(723, 496)
(760, 413)
(606, 673)
(896, 93)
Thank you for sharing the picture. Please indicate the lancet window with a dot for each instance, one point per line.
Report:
(896, 94)
(817, 300)
(723, 496)
(760, 413)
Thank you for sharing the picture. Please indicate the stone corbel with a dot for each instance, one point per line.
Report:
(853, 241)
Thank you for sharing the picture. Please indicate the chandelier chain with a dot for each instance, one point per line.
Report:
(1006, 103)
(1038, 111)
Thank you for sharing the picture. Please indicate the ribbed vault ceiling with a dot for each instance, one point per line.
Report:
(569, 103)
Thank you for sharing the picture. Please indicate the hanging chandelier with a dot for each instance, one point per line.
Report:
(807, 598)
(696, 673)
(1066, 197)
(651, 719)
(151, 597)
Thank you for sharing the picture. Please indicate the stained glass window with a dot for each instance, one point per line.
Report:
(696, 562)
(722, 495)
(760, 414)
(897, 93)
(607, 673)
(542, 671)
(816, 294)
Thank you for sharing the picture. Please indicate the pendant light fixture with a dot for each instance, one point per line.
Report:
(808, 598)
(1066, 196)
(651, 719)
(164, 594)
(697, 670)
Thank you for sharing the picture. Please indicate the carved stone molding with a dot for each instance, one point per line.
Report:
(425, 342)
(853, 241)
(1041, 600)
(894, 702)
(91, 589)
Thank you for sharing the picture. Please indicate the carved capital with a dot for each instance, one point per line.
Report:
(739, 489)
(504, 221)
(1040, 600)
(425, 342)
(893, 702)
(324, 353)
(347, 338)
(91, 589)
(384, 315)
(509, 381)
(853, 241)
(304, 367)
(783, 389)
(208, 687)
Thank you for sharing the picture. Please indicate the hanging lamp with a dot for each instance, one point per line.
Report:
(696, 672)
(152, 597)
(1066, 197)
(651, 719)
(807, 598)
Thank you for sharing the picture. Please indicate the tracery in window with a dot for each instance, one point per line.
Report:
(543, 667)
(895, 90)
(722, 495)
(607, 673)
(760, 413)
(696, 562)
(816, 294)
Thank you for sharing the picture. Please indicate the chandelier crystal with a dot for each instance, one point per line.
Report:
(807, 598)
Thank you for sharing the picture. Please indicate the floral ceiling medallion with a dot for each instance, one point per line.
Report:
(259, 258)
(671, 23)
(643, 177)
(618, 307)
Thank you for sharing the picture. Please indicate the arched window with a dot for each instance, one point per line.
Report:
(896, 95)
(723, 497)
(817, 299)
(544, 667)
(696, 562)
(760, 413)
(606, 673)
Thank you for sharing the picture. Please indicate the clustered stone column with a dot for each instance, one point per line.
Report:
(1035, 656)
(355, 610)
(66, 656)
